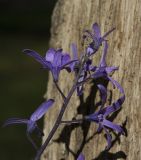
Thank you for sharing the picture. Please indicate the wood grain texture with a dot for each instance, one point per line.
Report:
(69, 19)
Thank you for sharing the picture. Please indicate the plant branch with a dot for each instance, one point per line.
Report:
(73, 121)
(32, 142)
(61, 113)
(62, 94)
(57, 123)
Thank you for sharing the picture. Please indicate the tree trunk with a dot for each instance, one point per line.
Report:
(69, 19)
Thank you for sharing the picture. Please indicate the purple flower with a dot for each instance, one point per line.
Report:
(31, 122)
(100, 118)
(103, 70)
(77, 64)
(81, 157)
(54, 60)
(96, 38)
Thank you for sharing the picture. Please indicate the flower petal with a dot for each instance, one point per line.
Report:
(93, 117)
(79, 90)
(90, 51)
(57, 58)
(65, 59)
(81, 157)
(74, 51)
(103, 58)
(41, 110)
(113, 126)
(109, 139)
(96, 30)
(98, 74)
(55, 73)
(103, 93)
(37, 57)
(115, 83)
(50, 55)
(12, 121)
(100, 127)
(63, 66)
(75, 57)
(111, 69)
(114, 107)
(92, 68)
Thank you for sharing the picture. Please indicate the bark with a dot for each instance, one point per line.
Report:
(69, 19)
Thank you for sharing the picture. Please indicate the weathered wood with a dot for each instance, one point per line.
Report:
(69, 19)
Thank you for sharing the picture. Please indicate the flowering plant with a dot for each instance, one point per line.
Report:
(85, 71)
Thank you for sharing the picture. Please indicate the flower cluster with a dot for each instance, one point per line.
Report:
(85, 71)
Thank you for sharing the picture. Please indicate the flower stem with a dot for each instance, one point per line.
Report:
(73, 121)
(62, 94)
(57, 123)
(32, 142)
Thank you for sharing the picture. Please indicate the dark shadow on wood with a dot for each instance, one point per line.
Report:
(105, 155)
(87, 107)
(65, 136)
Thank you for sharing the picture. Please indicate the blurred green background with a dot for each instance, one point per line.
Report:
(23, 24)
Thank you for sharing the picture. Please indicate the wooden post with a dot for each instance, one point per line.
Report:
(69, 19)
